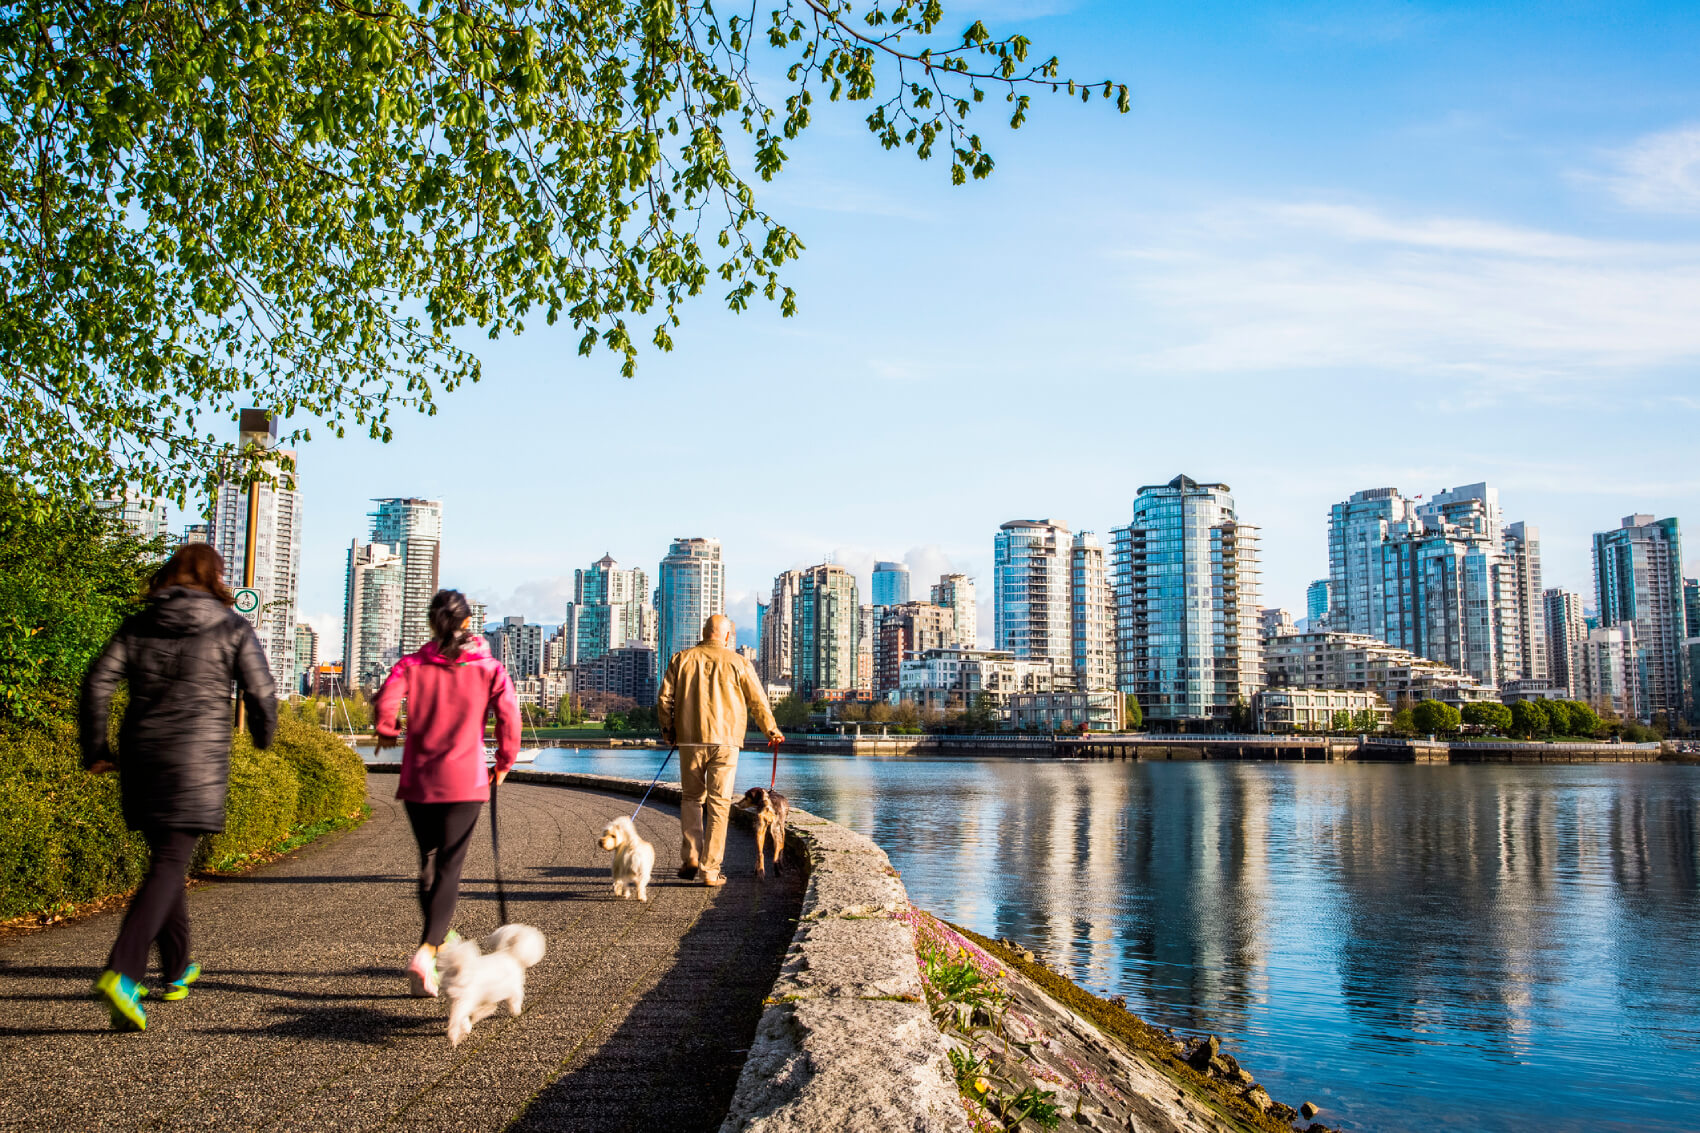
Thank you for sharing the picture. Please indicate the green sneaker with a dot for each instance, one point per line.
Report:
(122, 995)
(179, 987)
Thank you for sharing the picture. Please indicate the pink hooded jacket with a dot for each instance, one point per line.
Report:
(442, 760)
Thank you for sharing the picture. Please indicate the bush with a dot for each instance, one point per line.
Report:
(1490, 716)
(330, 777)
(1529, 718)
(62, 839)
(62, 836)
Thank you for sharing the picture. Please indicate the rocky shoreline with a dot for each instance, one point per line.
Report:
(1031, 1040)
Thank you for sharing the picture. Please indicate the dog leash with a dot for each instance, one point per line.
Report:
(655, 780)
(496, 854)
(773, 745)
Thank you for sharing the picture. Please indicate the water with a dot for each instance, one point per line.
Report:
(1412, 948)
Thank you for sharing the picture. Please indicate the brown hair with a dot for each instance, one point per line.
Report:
(195, 565)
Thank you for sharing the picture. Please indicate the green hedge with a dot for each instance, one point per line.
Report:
(62, 837)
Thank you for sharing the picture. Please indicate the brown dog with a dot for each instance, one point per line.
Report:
(770, 810)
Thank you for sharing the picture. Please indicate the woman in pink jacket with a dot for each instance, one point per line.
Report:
(451, 685)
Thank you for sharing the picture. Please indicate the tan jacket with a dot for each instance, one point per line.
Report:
(704, 697)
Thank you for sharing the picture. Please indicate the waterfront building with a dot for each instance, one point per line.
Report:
(1092, 619)
(1444, 578)
(146, 517)
(890, 584)
(544, 692)
(956, 591)
(1030, 592)
(1316, 603)
(1614, 675)
(952, 680)
(1275, 621)
(824, 632)
(1638, 580)
(277, 542)
(625, 670)
(905, 631)
(519, 647)
(478, 617)
(1186, 584)
(196, 533)
(1691, 644)
(413, 528)
(555, 651)
(749, 653)
(1357, 662)
(1358, 528)
(1524, 603)
(778, 648)
(691, 589)
(1566, 629)
(1076, 710)
(306, 657)
(867, 645)
(1286, 710)
(610, 607)
(326, 681)
(373, 596)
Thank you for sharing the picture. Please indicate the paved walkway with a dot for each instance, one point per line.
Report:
(637, 1019)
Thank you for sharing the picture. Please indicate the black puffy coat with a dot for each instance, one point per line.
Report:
(179, 656)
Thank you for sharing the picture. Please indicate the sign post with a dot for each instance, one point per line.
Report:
(258, 430)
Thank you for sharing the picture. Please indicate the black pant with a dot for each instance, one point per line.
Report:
(443, 831)
(159, 910)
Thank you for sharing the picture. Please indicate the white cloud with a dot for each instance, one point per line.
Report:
(1265, 287)
(538, 600)
(1660, 172)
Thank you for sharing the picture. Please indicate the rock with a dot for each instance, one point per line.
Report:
(1225, 1066)
(1284, 1112)
(1119, 1001)
(870, 958)
(1204, 1054)
(1244, 1078)
(1259, 1099)
(812, 1063)
(1308, 1110)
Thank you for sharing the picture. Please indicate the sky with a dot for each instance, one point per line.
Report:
(1334, 246)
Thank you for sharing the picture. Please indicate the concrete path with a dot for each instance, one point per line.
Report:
(637, 1019)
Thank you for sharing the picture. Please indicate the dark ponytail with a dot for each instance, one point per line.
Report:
(449, 611)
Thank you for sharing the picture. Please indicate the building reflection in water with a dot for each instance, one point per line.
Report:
(1494, 948)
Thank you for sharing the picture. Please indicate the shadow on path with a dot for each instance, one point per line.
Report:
(674, 1060)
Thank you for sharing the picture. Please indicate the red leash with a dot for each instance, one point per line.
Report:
(773, 778)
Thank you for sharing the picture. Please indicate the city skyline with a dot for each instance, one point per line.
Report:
(1414, 246)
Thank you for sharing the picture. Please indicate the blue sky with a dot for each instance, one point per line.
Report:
(1333, 247)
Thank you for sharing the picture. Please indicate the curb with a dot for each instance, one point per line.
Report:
(846, 1044)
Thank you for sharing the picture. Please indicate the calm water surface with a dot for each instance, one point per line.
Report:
(1489, 948)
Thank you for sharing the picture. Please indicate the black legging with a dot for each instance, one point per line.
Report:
(159, 910)
(443, 831)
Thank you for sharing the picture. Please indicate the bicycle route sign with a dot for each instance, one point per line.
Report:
(248, 603)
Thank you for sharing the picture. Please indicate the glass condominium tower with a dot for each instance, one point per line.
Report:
(692, 589)
(1638, 580)
(891, 584)
(1186, 584)
(414, 528)
(1030, 591)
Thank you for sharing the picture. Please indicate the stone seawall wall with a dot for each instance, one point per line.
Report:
(845, 1044)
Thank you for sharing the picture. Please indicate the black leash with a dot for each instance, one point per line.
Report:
(496, 853)
(655, 780)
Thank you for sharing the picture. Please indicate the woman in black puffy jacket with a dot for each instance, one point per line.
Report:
(179, 655)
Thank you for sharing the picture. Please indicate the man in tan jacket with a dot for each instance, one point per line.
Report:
(706, 699)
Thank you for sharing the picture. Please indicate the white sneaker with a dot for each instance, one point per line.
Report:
(422, 974)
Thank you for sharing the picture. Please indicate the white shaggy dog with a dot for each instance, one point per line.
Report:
(478, 982)
(633, 857)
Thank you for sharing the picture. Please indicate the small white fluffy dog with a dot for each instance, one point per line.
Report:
(478, 982)
(633, 857)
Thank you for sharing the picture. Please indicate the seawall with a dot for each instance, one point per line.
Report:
(845, 1043)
